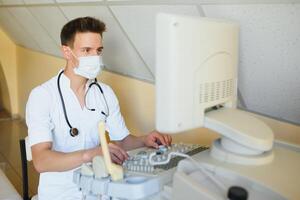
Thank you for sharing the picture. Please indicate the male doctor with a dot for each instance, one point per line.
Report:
(62, 114)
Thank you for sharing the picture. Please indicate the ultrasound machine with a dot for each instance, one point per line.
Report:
(196, 86)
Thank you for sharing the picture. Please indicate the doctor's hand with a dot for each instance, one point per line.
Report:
(117, 154)
(155, 138)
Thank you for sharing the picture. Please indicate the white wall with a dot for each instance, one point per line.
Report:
(269, 56)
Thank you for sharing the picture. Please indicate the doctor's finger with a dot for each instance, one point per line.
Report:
(117, 152)
(121, 150)
(115, 159)
(125, 154)
(152, 143)
(161, 139)
(168, 139)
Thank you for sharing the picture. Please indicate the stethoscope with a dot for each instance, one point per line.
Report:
(74, 131)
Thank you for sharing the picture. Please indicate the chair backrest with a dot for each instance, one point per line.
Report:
(25, 155)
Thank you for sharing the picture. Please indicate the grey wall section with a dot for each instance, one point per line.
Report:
(269, 40)
(269, 65)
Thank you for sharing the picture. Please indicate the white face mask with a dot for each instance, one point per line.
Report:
(89, 66)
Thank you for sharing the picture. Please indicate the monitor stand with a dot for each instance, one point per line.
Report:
(245, 139)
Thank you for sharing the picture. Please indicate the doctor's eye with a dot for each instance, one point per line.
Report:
(86, 51)
(99, 52)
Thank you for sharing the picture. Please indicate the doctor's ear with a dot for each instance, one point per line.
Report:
(67, 54)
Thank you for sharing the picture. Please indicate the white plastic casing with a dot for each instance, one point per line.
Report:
(196, 68)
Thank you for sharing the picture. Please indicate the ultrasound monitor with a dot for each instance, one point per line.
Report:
(196, 86)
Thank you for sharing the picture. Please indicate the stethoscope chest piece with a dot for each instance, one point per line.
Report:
(74, 132)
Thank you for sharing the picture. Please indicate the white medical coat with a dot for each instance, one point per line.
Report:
(46, 123)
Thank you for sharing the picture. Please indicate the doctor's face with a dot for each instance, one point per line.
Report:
(85, 44)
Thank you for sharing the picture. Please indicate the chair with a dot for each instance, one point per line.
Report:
(25, 156)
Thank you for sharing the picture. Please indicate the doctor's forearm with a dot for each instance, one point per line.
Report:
(132, 142)
(50, 161)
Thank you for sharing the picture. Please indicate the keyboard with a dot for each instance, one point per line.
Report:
(138, 161)
(141, 179)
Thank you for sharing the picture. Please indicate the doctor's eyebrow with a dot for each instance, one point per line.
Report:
(87, 49)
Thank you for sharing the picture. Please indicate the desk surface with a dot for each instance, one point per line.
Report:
(281, 175)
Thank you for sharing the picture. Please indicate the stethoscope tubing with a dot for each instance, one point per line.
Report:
(62, 99)
(74, 131)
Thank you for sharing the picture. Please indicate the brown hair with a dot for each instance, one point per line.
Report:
(81, 25)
